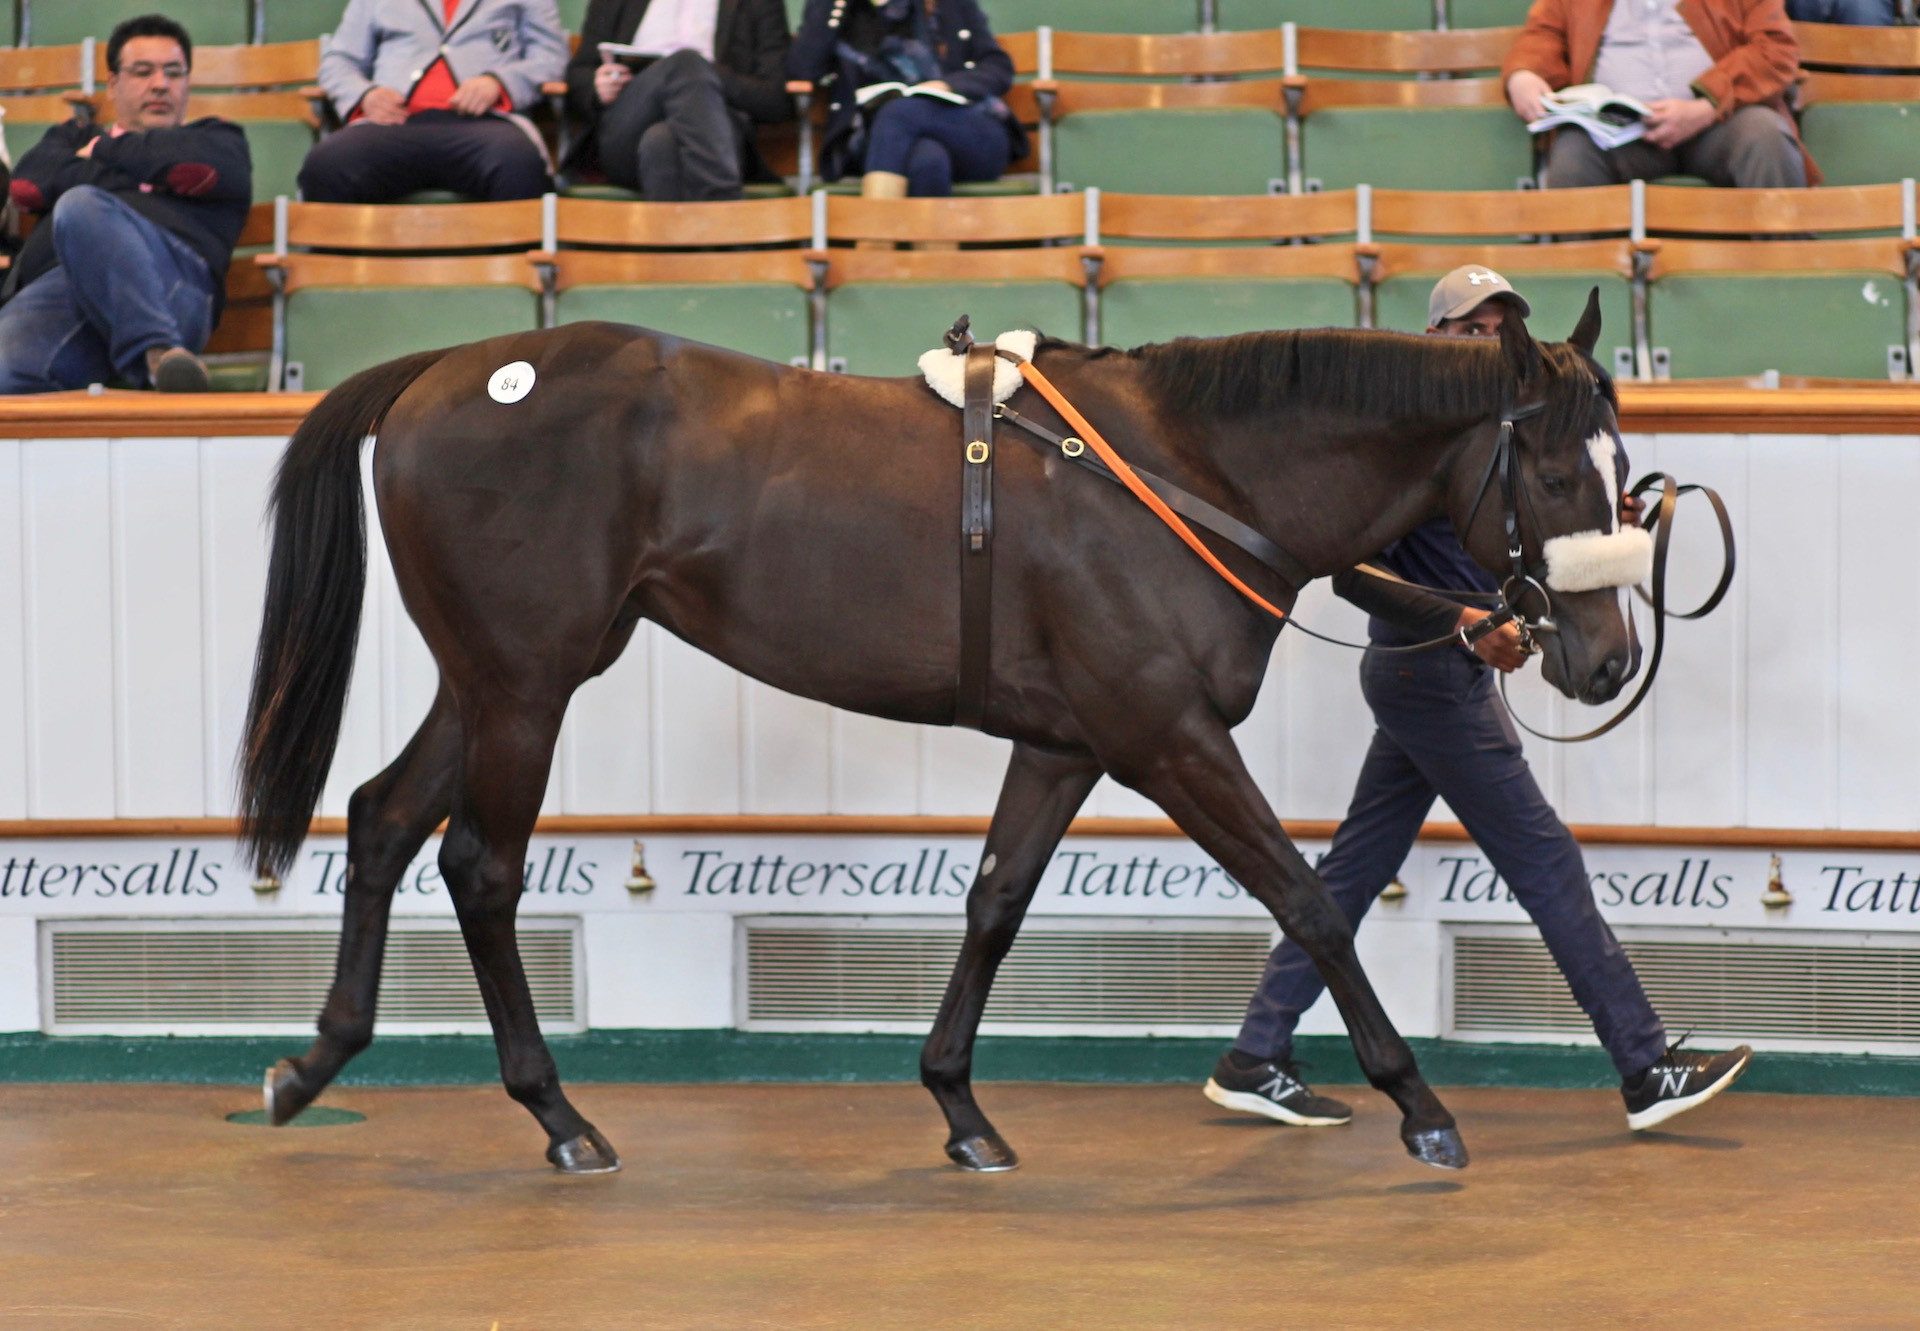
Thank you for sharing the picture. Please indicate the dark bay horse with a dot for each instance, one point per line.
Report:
(803, 528)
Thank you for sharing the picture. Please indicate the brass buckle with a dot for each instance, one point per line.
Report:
(1073, 447)
(978, 451)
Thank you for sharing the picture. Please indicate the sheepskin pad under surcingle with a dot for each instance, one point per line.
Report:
(947, 373)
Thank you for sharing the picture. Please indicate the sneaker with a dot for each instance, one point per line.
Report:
(176, 370)
(1679, 1081)
(1272, 1090)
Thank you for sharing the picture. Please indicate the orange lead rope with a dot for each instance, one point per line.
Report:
(1116, 464)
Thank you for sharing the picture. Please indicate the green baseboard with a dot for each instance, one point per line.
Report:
(739, 1056)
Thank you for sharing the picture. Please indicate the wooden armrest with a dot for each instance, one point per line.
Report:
(554, 88)
(799, 87)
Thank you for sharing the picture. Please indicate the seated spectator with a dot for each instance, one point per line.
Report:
(126, 271)
(919, 143)
(430, 91)
(679, 125)
(1860, 13)
(1715, 76)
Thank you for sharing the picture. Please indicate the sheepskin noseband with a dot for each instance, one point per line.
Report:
(1589, 560)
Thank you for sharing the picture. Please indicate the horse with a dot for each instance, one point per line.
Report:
(542, 493)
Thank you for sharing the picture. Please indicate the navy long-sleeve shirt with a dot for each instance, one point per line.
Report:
(196, 180)
(1430, 554)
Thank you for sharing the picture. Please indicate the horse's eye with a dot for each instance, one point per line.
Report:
(1557, 486)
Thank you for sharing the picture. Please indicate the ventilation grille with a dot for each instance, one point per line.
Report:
(141, 978)
(1732, 987)
(1157, 977)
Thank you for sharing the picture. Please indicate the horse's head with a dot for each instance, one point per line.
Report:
(1543, 511)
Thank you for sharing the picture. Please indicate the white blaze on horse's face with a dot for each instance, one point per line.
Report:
(1590, 560)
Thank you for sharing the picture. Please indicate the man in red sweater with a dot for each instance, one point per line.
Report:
(1714, 72)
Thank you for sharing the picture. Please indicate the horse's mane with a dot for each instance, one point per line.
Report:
(1384, 375)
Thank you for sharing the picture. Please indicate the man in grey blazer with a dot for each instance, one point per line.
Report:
(431, 92)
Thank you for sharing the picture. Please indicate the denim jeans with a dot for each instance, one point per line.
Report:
(122, 287)
(1443, 731)
(1866, 13)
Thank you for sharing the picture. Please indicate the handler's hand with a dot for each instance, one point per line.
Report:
(384, 106)
(1503, 648)
(477, 96)
(1676, 119)
(1524, 90)
(1630, 509)
(610, 80)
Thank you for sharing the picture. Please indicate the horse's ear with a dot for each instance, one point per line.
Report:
(1586, 333)
(1522, 352)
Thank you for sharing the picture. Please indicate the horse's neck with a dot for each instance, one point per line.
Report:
(1334, 494)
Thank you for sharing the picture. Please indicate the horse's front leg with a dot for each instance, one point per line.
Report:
(1200, 780)
(1041, 793)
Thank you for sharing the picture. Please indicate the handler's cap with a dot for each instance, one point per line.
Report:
(1465, 289)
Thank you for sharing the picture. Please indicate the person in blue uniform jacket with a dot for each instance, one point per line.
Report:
(951, 125)
(1441, 730)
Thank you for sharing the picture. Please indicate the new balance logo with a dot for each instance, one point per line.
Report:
(1279, 1087)
(1674, 1082)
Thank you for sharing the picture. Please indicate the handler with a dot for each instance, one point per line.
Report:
(1442, 731)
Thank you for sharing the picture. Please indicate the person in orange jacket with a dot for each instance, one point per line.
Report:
(1714, 72)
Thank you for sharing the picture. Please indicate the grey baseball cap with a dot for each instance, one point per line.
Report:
(1465, 289)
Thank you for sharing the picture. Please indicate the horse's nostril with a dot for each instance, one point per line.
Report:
(1606, 679)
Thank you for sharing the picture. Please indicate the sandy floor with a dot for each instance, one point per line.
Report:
(832, 1206)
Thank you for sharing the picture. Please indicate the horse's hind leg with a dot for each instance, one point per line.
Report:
(388, 819)
(509, 747)
(1039, 797)
(1199, 779)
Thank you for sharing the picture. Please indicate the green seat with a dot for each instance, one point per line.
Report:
(1829, 323)
(883, 327)
(1864, 143)
(297, 20)
(1154, 152)
(763, 319)
(1486, 13)
(1460, 148)
(1374, 14)
(573, 13)
(333, 332)
(1557, 301)
(278, 148)
(1158, 309)
(1094, 15)
(208, 22)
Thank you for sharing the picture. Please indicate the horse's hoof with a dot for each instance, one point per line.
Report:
(285, 1093)
(984, 1154)
(589, 1153)
(1439, 1147)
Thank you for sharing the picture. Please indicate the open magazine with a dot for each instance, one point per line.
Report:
(1610, 118)
(876, 93)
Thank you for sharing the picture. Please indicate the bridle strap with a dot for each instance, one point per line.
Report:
(1655, 595)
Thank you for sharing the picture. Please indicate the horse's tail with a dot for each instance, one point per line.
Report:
(316, 579)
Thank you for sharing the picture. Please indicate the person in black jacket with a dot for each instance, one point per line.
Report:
(677, 122)
(126, 271)
(948, 124)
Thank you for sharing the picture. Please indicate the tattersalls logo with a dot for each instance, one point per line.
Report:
(1691, 884)
(1850, 891)
(175, 873)
(552, 871)
(937, 873)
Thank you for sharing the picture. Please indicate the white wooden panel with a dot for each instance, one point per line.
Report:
(608, 747)
(1792, 638)
(69, 599)
(1262, 737)
(13, 638)
(1878, 600)
(960, 770)
(158, 668)
(1699, 705)
(235, 477)
(788, 758)
(876, 766)
(696, 765)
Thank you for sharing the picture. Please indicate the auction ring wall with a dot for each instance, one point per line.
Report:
(717, 854)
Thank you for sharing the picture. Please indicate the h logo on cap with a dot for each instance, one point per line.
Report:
(1478, 278)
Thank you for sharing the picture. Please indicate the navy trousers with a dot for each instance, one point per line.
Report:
(934, 143)
(1442, 731)
(124, 285)
(482, 157)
